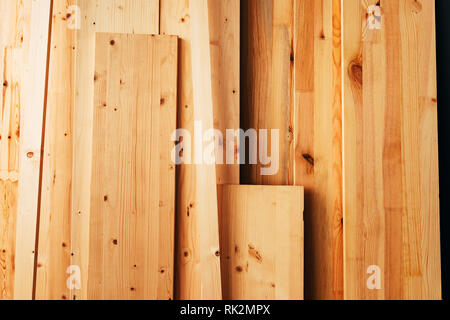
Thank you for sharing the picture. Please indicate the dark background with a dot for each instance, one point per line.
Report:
(443, 74)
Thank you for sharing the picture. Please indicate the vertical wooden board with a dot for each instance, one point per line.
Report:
(205, 203)
(14, 41)
(261, 242)
(56, 198)
(133, 179)
(96, 16)
(224, 34)
(267, 53)
(224, 29)
(390, 151)
(318, 142)
(67, 161)
(32, 120)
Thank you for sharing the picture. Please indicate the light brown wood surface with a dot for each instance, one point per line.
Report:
(224, 38)
(54, 247)
(318, 143)
(67, 165)
(261, 242)
(267, 75)
(391, 182)
(133, 179)
(23, 52)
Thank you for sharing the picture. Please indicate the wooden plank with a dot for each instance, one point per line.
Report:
(23, 46)
(318, 143)
(301, 42)
(175, 19)
(133, 179)
(224, 30)
(75, 24)
(14, 41)
(267, 47)
(261, 242)
(391, 159)
(208, 284)
(56, 198)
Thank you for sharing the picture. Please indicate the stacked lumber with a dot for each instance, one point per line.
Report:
(358, 129)
(94, 206)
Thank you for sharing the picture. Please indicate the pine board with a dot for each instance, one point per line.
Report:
(267, 75)
(68, 158)
(391, 193)
(261, 242)
(133, 179)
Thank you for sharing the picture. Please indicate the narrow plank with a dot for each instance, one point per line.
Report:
(261, 242)
(391, 167)
(208, 284)
(14, 41)
(267, 47)
(130, 16)
(67, 161)
(56, 197)
(318, 143)
(224, 36)
(133, 180)
(224, 30)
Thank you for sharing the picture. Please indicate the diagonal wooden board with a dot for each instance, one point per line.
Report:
(391, 187)
(133, 178)
(261, 242)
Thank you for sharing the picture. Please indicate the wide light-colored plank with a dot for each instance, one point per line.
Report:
(133, 179)
(67, 163)
(391, 187)
(318, 142)
(261, 242)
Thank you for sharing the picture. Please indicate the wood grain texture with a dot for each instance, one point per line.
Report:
(390, 151)
(133, 179)
(208, 285)
(267, 53)
(11, 56)
(56, 191)
(300, 94)
(224, 35)
(24, 30)
(261, 242)
(318, 142)
(67, 161)
(224, 31)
